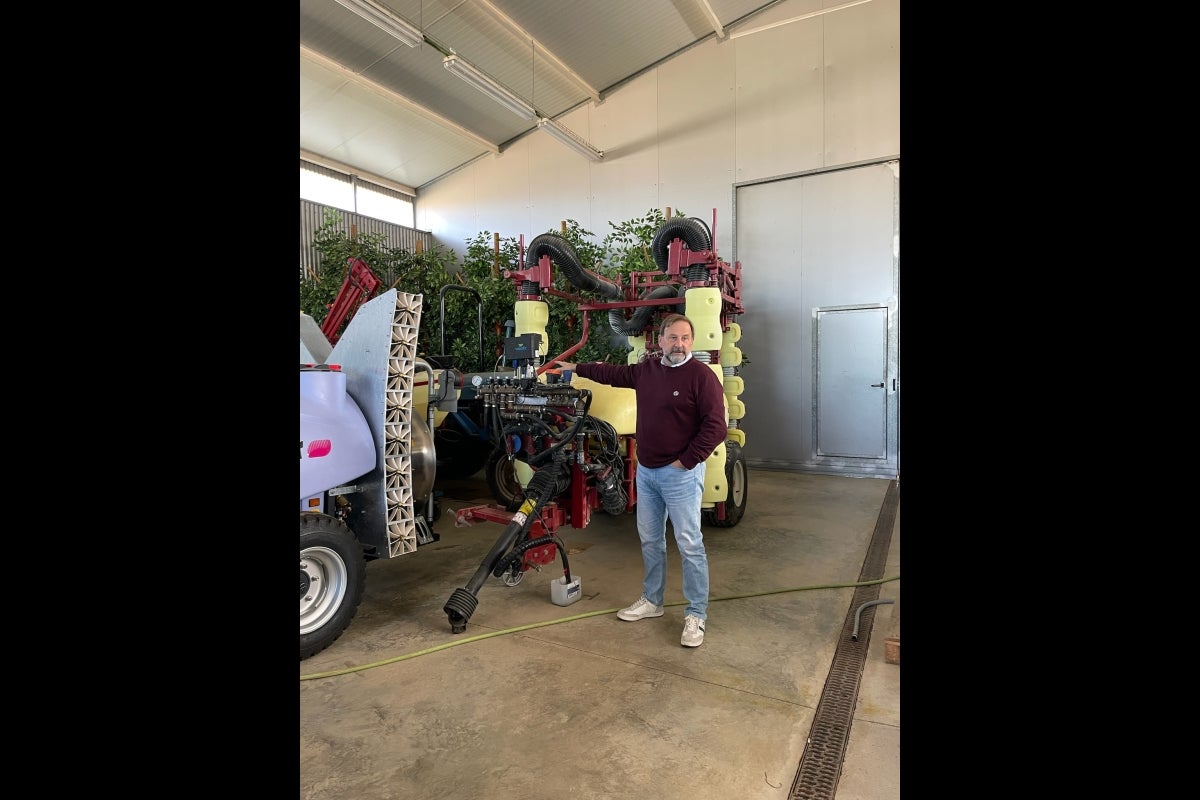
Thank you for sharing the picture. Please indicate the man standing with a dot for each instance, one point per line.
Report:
(680, 421)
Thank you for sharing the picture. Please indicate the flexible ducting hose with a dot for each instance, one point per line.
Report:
(694, 233)
(642, 314)
(563, 255)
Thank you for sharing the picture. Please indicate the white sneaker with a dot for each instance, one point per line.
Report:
(640, 610)
(693, 631)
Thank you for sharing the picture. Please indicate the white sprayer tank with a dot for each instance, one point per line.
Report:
(336, 445)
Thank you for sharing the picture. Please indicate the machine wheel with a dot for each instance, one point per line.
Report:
(735, 478)
(333, 572)
(502, 480)
(459, 454)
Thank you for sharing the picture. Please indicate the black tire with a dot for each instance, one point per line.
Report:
(333, 573)
(502, 481)
(459, 454)
(735, 480)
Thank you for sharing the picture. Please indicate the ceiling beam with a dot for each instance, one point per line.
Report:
(713, 18)
(809, 15)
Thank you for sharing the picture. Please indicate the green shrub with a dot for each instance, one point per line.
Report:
(624, 250)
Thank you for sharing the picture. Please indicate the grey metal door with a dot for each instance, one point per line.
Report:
(851, 407)
(820, 259)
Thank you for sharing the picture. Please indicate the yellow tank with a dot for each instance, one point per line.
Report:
(531, 316)
(703, 308)
(715, 488)
(617, 407)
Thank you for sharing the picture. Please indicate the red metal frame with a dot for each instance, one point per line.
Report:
(547, 522)
(360, 285)
(581, 498)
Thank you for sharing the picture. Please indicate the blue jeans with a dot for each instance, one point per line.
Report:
(676, 493)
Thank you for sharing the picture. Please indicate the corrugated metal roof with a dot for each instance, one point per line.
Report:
(371, 103)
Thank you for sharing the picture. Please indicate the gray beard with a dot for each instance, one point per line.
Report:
(675, 358)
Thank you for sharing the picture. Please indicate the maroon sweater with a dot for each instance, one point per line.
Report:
(680, 410)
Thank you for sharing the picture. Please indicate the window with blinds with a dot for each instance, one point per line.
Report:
(354, 194)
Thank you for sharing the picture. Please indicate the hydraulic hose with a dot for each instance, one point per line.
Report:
(560, 439)
(514, 557)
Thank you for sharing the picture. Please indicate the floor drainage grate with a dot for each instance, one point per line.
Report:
(821, 764)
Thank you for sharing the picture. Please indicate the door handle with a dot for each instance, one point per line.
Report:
(876, 385)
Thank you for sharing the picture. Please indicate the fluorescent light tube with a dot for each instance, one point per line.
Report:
(386, 20)
(570, 139)
(809, 15)
(483, 83)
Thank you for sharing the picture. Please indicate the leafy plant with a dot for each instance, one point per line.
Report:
(628, 245)
(486, 258)
(414, 273)
(565, 325)
(483, 290)
(336, 250)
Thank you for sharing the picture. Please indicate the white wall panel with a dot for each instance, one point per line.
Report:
(696, 137)
(862, 82)
(626, 186)
(778, 117)
(806, 95)
(560, 180)
(502, 192)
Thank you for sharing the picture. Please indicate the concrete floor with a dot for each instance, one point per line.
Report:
(589, 706)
